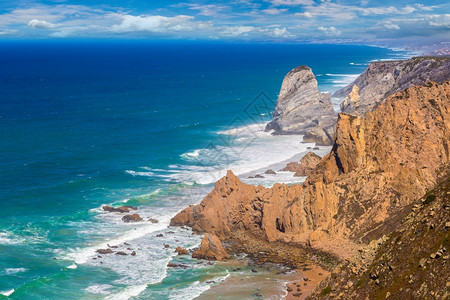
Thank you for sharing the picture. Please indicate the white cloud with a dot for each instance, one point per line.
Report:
(274, 11)
(426, 8)
(306, 14)
(246, 19)
(439, 20)
(279, 32)
(386, 10)
(236, 31)
(207, 10)
(333, 11)
(41, 24)
(247, 31)
(7, 31)
(158, 24)
(330, 31)
(390, 25)
(348, 12)
(291, 2)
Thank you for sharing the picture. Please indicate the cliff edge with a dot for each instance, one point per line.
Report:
(382, 79)
(378, 164)
(302, 109)
(409, 263)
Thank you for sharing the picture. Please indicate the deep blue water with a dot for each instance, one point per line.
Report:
(89, 123)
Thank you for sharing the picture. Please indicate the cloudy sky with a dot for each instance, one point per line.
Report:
(240, 20)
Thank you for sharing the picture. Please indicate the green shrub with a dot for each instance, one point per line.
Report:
(359, 282)
(430, 198)
(326, 291)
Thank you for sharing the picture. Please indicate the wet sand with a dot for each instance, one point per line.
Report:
(250, 280)
(308, 279)
(269, 270)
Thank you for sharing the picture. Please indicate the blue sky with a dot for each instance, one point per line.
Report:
(239, 20)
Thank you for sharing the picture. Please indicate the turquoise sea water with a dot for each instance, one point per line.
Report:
(84, 124)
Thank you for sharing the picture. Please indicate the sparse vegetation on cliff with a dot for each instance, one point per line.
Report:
(410, 263)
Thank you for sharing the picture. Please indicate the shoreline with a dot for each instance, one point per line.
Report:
(266, 275)
(299, 268)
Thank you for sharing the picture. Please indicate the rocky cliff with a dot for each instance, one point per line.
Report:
(382, 79)
(412, 262)
(305, 166)
(379, 164)
(302, 109)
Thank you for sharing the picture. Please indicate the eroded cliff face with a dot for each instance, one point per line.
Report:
(378, 164)
(409, 263)
(382, 79)
(305, 166)
(302, 109)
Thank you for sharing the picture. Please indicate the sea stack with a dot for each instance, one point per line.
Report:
(302, 109)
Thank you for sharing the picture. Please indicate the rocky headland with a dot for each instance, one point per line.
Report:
(382, 79)
(377, 204)
(302, 109)
(378, 164)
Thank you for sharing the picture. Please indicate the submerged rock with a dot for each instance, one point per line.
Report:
(104, 251)
(121, 209)
(131, 218)
(172, 265)
(181, 251)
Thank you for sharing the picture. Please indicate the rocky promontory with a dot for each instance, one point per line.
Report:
(378, 164)
(382, 79)
(302, 109)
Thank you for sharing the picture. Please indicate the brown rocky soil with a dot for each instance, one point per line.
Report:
(378, 165)
(410, 263)
(311, 276)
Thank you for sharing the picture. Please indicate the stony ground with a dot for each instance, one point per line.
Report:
(410, 263)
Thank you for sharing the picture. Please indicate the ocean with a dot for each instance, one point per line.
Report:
(148, 124)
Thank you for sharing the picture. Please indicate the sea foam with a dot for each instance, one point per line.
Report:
(7, 293)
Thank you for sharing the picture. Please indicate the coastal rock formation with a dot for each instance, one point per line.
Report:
(305, 166)
(410, 263)
(378, 164)
(104, 251)
(121, 209)
(211, 248)
(382, 79)
(351, 102)
(131, 218)
(181, 251)
(302, 109)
